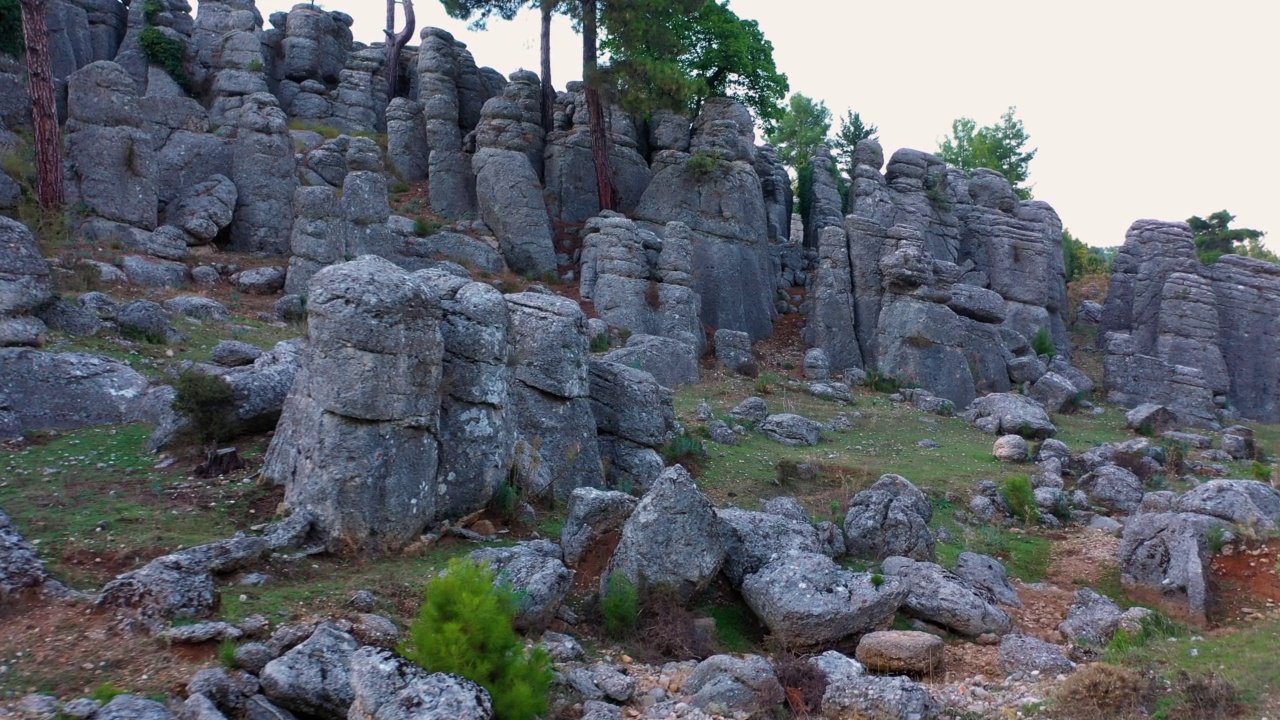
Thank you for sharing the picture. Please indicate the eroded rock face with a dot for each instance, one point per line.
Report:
(75, 390)
(942, 598)
(1169, 553)
(357, 443)
(536, 572)
(388, 687)
(25, 282)
(1189, 336)
(889, 518)
(934, 276)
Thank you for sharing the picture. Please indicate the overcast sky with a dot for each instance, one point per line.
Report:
(1139, 108)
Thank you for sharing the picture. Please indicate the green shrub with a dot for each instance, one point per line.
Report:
(1017, 491)
(1260, 471)
(935, 190)
(703, 164)
(505, 499)
(1042, 343)
(765, 382)
(151, 10)
(209, 403)
(399, 187)
(423, 227)
(166, 52)
(877, 580)
(1217, 539)
(106, 692)
(620, 606)
(600, 343)
(465, 627)
(882, 383)
(227, 654)
(684, 449)
(255, 65)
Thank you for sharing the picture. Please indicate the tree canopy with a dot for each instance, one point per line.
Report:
(800, 130)
(1083, 259)
(1000, 147)
(11, 42)
(853, 130)
(1215, 237)
(478, 12)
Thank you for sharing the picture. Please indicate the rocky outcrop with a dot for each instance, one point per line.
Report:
(948, 278)
(262, 168)
(1191, 337)
(26, 285)
(634, 418)
(717, 194)
(640, 282)
(1168, 555)
(74, 390)
(889, 518)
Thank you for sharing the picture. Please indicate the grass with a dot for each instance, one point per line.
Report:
(737, 630)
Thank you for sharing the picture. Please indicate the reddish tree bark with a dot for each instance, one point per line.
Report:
(548, 92)
(44, 106)
(599, 141)
(396, 42)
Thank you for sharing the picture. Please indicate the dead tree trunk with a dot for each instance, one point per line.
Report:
(396, 42)
(44, 106)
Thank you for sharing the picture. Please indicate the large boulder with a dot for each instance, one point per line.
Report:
(906, 652)
(537, 574)
(1025, 654)
(314, 678)
(1009, 413)
(939, 597)
(807, 600)
(1113, 488)
(388, 687)
(75, 390)
(672, 539)
(755, 539)
(511, 204)
(1169, 553)
(1091, 621)
(1151, 419)
(889, 518)
(791, 429)
(725, 683)
(1244, 503)
(592, 514)
(673, 363)
(987, 574)
(25, 281)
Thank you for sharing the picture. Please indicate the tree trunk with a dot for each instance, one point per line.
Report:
(548, 92)
(599, 141)
(396, 43)
(44, 107)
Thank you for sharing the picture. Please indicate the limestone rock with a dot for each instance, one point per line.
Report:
(314, 678)
(592, 514)
(672, 363)
(1151, 418)
(1112, 487)
(537, 574)
(1010, 448)
(987, 574)
(939, 597)
(25, 281)
(1007, 413)
(791, 429)
(1169, 553)
(387, 687)
(1025, 654)
(889, 518)
(755, 539)
(905, 652)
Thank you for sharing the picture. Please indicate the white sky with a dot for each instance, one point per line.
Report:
(1139, 108)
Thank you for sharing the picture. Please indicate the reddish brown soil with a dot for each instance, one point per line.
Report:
(785, 347)
(1247, 584)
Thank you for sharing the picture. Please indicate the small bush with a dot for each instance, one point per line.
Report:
(1156, 626)
(935, 190)
(766, 382)
(882, 383)
(166, 52)
(684, 449)
(703, 164)
(653, 296)
(1260, 471)
(1042, 343)
(151, 10)
(11, 41)
(803, 684)
(423, 227)
(106, 692)
(466, 627)
(1017, 491)
(505, 500)
(1204, 697)
(1100, 690)
(399, 186)
(669, 630)
(1217, 539)
(620, 606)
(209, 403)
(600, 343)
(227, 654)
(877, 580)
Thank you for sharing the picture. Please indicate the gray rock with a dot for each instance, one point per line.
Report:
(1011, 448)
(939, 597)
(874, 696)
(630, 404)
(987, 574)
(204, 210)
(1007, 413)
(1026, 369)
(197, 307)
(753, 409)
(1089, 312)
(733, 349)
(1151, 418)
(1056, 393)
(387, 687)
(25, 280)
(787, 507)
(889, 518)
(229, 690)
(755, 539)
(592, 514)
(806, 600)
(721, 433)
(836, 391)
(902, 652)
(233, 353)
(1107, 525)
(132, 707)
(727, 684)
(1091, 621)
(205, 275)
(535, 571)
(145, 320)
(1243, 503)
(673, 363)
(266, 280)
(371, 629)
(199, 707)
(1025, 654)
(1113, 488)
(314, 678)
(20, 566)
(510, 200)
(253, 656)
(791, 430)
(672, 539)
(200, 633)
(22, 332)
(153, 272)
(265, 176)
(76, 390)
(1055, 449)
(816, 364)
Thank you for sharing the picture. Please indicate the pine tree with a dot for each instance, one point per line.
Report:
(44, 108)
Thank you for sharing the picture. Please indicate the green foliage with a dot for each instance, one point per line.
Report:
(703, 164)
(227, 654)
(1155, 626)
(11, 42)
(765, 383)
(1042, 343)
(505, 500)
(423, 227)
(1018, 492)
(1217, 539)
(620, 606)
(852, 131)
(1215, 237)
(683, 449)
(644, 46)
(209, 403)
(800, 130)
(166, 52)
(1083, 259)
(479, 11)
(935, 190)
(465, 627)
(600, 343)
(727, 56)
(151, 10)
(877, 580)
(255, 65)
(999, 147)
(883, 383)
(106, 692)
(1260, 471)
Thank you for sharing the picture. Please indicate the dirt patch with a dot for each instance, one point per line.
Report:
(1082, 559)
(783, 352)
(593, 564)
(1247, 584)
(963, 659)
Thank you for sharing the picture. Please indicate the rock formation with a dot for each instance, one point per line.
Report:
(1197, 339)
(935, 277)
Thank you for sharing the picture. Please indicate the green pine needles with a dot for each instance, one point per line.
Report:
(620, 605)
(166, 52)
(465, 628)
